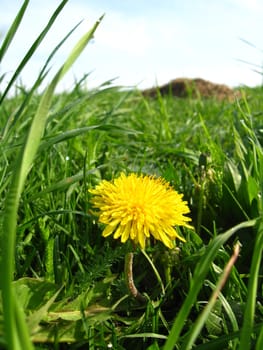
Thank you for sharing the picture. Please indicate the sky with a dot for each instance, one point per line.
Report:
(142, 42)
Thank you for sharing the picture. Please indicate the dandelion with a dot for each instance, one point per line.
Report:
(137, 207)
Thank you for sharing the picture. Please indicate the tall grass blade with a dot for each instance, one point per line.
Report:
(12, 30)
(32, 49)
(15, 338)
(247, 327)
(198, 280)
(198, 325)
(77, 132)
(43, 73)
(259, 344)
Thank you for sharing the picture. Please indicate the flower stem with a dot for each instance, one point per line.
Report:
(128, 272)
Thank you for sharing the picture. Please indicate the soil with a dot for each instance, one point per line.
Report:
(195, 88)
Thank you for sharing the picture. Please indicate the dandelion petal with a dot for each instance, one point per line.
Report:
(135, 207)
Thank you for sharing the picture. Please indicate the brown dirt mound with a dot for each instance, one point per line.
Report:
(196, 88)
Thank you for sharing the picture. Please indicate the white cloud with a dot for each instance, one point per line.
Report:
(124, 34)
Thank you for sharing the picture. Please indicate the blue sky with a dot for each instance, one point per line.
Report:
(144, 42)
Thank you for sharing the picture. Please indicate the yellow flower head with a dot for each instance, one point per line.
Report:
(136, 207)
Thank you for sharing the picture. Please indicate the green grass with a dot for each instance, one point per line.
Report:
(62, 283)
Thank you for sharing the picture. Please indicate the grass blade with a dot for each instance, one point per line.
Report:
(198, 280)
(32, 49)
(16, 339)
(247, 328)
(12, 120)
(12, 30)
(259, 344)
(198, 325)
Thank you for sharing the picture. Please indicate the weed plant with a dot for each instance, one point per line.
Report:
(62, 283)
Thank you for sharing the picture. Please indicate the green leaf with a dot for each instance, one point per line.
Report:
(235, 175)
(252, 189)
(214, 320)
(32, 292)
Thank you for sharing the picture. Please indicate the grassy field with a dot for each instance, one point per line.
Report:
(63, 283)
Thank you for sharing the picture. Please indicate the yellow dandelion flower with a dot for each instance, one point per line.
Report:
(136, 207)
